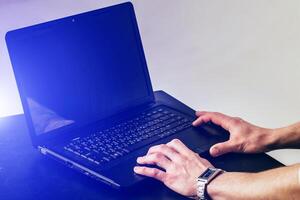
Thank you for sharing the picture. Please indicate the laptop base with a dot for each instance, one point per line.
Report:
(121, 175)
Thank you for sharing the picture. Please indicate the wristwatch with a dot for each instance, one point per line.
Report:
(208, 175)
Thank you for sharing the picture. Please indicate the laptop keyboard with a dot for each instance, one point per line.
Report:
(106, 145)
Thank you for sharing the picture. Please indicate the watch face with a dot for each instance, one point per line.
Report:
(207, 173)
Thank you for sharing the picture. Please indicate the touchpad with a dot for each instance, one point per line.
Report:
(200, 140)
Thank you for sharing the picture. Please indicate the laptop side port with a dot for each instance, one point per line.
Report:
(78, 167)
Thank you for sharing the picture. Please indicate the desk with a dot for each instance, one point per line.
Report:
(25, 174)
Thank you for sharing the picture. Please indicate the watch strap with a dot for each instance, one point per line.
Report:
(202, 183)
(201, 189)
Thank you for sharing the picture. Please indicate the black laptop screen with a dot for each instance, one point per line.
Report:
(79, 69)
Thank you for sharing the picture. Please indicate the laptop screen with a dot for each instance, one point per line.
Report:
(79, 69)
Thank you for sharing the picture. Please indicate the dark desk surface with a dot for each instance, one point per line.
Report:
(25, 174)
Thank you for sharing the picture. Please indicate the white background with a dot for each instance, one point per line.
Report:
(237, 57)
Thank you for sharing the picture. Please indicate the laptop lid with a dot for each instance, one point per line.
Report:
(78, 70)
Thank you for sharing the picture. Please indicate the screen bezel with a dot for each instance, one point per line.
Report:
(26, 32)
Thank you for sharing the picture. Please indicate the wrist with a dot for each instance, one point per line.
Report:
(215, 188)
(263, 140)
(230, 185)
(271, 139)
(282, 137)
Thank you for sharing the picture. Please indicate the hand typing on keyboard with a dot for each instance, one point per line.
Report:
(182, 166)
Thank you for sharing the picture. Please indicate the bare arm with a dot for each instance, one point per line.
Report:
(280, 183)
(287, 137)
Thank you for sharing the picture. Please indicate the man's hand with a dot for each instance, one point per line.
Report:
(182, 166)
(244, 137)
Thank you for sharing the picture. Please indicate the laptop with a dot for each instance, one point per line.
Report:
(87, 95)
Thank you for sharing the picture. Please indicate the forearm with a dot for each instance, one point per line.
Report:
(287, 137)
(280, 183)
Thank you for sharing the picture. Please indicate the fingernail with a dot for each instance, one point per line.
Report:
(136, 169)
(139, 159)
(215, 151)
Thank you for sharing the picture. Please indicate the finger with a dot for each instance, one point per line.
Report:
(199, 113)
(200, 120)
(217, 118)
(180, 147)
(223, 148)
(167, 151)
(155, 159)
(150, 172)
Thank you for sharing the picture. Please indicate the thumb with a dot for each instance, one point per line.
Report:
(222, 148)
